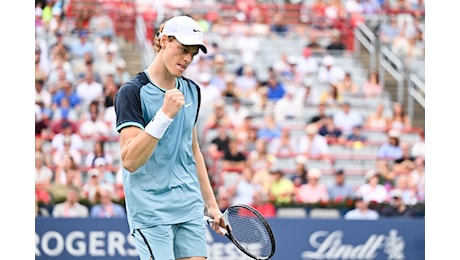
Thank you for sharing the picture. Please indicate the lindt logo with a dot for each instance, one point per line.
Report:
(329, 246)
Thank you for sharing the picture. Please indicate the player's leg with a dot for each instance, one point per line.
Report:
(190, 240)
(155, 242)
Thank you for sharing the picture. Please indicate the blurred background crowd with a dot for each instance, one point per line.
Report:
(290, 116)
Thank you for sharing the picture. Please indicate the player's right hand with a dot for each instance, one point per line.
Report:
(173, 102)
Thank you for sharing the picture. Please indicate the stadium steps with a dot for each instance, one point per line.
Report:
(392, 88)
(132, 55)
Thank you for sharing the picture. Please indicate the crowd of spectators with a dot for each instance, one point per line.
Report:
(249, 125)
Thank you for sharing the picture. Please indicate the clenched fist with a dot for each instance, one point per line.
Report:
(173, 102)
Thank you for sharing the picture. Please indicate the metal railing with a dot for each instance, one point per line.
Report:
(368, 40)
(392, 64)
(147, 53)
(416, 91)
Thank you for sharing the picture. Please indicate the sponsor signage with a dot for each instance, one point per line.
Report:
(303, 239)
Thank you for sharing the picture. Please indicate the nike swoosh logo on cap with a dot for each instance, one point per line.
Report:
(195, 30)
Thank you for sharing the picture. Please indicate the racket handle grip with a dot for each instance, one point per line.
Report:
(208, 219)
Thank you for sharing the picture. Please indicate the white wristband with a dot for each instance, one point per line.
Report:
(158, 125)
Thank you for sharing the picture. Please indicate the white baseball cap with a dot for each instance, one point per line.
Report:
(186, 30)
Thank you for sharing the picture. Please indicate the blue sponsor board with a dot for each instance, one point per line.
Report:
(295, 239)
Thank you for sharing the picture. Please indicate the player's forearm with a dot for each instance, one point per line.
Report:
(136, 151)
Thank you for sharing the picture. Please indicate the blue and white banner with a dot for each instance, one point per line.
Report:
(303, 239)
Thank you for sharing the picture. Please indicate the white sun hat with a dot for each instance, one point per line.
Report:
(186, 30)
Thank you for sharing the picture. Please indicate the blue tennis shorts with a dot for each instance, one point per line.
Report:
(168, 242)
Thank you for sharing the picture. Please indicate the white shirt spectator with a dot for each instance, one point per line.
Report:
(313, 143)
(329, 72)
(209, 93)
(346, 119)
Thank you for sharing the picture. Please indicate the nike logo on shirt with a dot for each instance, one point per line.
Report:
(187, 105)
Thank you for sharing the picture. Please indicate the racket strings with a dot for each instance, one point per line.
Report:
(250, 232)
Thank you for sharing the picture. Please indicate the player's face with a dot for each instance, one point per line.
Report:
(178, 57)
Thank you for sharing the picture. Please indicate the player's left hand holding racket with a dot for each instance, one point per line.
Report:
(248, 230)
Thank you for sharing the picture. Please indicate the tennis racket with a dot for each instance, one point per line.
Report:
(248, 230)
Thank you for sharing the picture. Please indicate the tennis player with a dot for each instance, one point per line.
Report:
(165, 180)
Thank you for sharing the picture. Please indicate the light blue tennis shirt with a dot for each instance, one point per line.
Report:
(165, 190)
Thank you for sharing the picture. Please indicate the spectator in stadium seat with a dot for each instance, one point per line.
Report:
(246, 84)
(65, 111)
(312, 144)
(93, 184)
(248, 46)
(288, 107)
(361, 211)
(238, 113)
(400, 44)
(244, 189)
(399, 120)
(106, 45)
(391, 149)
(270, 129)
(330, 131)
(371, 7)
(418, 147)
(340, 191)
(106, 169)
(218, 145)
(357, 138)
(405, 163)
(260, 159)
(234, 159)
(320, 114)
(89, 90)
(59, 155)
(66, 134)
(403, 189)
(106, 207)
(372, 87)
(99, 151)
(307, 65)
(65, 89)
(278, 26)
(332, 96)
(82, 46)
(83, 66)
(389, 30)
(336, 45)
(346, 118)
(100, 23)
(92, 125)
(42, 94)
(210, 93)
(107, 65)
(219, 117)
(41, 122)
(229, 90)
(43, 179)
(282, 190)
(329, 71)
(417, 179)
(284, 145)
(372, 190)
(377, 120)
(263, 205)
(397, 207)
(68, 172)
(71, 207)
(299, 173)
(121, 75)
(313, 191)
(348, 86)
